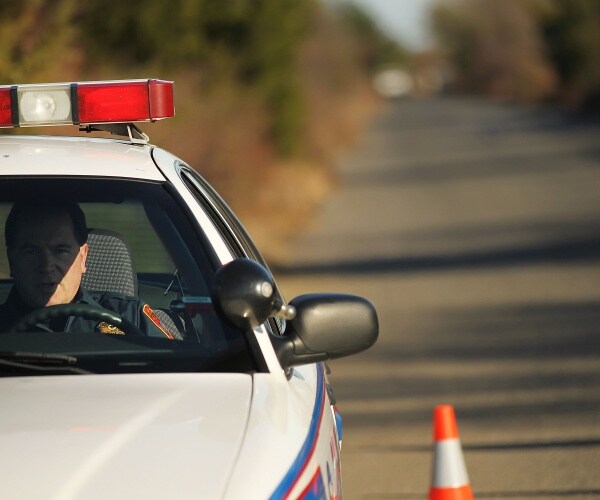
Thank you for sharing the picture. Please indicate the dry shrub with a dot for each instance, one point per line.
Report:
(509, 55)
(223, 127)
(285, 205)
(223, 134)
(339, 96)
(496, 47)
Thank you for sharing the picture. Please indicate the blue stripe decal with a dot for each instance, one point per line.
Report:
(292, 474)
(339, 424)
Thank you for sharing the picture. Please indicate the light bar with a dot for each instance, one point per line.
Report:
(85, 103)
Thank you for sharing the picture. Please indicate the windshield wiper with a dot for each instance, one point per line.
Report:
(40, 362)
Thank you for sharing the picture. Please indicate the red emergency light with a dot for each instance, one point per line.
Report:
(84, 103)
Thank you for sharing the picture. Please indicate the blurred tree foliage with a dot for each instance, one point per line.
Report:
(34, 36)
(254, 43)
(376, 49)
(571, 29)
(528, 50)
(495, 48)
(260, 85)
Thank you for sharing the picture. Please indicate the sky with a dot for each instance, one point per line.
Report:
(403, 20)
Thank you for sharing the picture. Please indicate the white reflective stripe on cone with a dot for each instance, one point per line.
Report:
(449, 470)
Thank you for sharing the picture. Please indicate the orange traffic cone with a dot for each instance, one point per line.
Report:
(450, 479)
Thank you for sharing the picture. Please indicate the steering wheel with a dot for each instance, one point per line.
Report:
(85, 311)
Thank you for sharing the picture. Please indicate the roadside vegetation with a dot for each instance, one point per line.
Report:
(529, 51)
(268, 93)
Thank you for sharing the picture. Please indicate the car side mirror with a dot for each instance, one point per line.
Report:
(327, 326)
(319, 326)
(244, 291)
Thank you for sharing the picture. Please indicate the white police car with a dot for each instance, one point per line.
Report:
(232, 401)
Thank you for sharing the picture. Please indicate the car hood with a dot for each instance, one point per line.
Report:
(121, 436)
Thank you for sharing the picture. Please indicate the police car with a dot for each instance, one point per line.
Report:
(232, 399)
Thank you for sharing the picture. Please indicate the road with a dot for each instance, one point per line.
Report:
(475, 230)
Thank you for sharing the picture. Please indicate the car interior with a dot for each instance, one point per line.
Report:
(141, 243)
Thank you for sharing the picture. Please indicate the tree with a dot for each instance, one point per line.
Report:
(35, 43)
(571, 29)
(495, 47)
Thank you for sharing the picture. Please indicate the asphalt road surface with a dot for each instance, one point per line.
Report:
(475, 230)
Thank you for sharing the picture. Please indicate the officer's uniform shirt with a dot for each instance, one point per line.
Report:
(129, 308)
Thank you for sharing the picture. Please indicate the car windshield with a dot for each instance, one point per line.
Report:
(146, 261)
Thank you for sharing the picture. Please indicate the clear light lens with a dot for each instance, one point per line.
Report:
(44, 105)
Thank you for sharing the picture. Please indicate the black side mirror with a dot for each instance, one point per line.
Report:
(318, 326)
(244, 291)
(327, 326)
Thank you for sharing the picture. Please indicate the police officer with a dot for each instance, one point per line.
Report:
(47, 250)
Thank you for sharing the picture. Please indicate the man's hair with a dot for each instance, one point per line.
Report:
(73, 210)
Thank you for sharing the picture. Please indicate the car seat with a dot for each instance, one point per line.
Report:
(109, 264)
(110, 268)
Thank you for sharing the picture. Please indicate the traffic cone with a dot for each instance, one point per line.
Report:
(450, 479)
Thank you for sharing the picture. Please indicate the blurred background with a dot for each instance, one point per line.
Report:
(440, 157)
(269, 93)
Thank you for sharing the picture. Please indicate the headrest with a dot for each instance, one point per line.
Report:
(110, 265)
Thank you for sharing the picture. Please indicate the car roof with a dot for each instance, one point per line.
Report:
(79, 156)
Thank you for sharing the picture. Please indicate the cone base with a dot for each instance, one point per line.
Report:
(459, 493)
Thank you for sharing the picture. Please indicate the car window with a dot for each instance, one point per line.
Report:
(231, 228)
(172, 265)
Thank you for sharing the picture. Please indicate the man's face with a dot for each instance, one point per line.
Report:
(46, 262)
